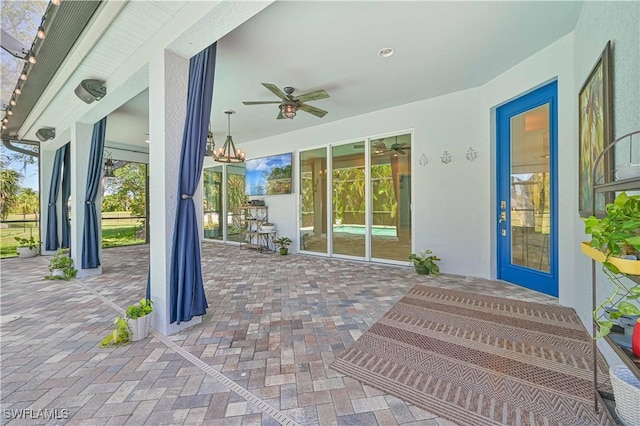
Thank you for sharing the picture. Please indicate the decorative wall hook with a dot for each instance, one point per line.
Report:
(446, 157)
(423, 160)
(472, 154)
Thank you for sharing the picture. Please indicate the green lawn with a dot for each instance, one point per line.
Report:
(118, 229)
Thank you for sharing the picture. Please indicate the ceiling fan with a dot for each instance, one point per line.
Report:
(379, 147)
(290, 104)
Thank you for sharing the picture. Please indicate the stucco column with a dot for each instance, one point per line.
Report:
(80, 148)
(47, 157)
(168, 83)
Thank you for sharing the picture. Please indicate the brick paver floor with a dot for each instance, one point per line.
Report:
(260, 356)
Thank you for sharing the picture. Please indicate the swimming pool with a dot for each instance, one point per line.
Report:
(383, 231)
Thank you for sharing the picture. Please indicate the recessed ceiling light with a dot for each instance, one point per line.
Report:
(386, 52)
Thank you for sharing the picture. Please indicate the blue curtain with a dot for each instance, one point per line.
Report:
(186, 291)
(52, 242)
(66, 193)
(92, 229)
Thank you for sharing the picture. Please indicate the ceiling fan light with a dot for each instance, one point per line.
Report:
(288, 109)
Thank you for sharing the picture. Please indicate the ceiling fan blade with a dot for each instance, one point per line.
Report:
(280, 116)
(313, 110)
(275, 90)
(312, 96)
(260, 102)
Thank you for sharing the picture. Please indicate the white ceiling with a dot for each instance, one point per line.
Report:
(440, 47)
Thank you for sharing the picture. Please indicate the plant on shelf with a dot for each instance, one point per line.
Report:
(425, 262)
(27, 247)
(283, 244)
(616, 237)
(61, 266)
(119, 336)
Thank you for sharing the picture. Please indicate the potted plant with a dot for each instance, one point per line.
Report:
(61, 266)
(283, 245)
(615, 242)
(425, 262)
(139, 319)
(27, 247)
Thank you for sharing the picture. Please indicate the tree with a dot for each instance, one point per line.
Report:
(27, 202)
(127, 189)
(9, 188)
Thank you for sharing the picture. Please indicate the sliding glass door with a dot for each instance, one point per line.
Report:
(223, 196)
(390, 160)
(348, 200)
(366, 214)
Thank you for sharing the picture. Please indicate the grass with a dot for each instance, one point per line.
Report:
(118, 229)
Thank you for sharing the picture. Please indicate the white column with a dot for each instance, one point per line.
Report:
(80, 148)
(168, 83)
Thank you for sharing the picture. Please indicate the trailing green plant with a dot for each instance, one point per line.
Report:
(120, 335)
(30, 243)
(141, 309)
(63, 262)
(425, 262)
(617, 234)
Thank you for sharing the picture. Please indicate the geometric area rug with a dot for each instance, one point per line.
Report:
(480, 360)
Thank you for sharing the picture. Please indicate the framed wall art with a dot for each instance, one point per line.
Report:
(595, 132)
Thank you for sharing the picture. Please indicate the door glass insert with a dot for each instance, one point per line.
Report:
(391, 197)
(213, 203)
(313, 197)
(349, 199)
(530, 189)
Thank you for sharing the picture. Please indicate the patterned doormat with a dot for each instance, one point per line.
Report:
(480, 360)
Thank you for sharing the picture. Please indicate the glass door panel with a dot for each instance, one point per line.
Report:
(530, 184)
(235, 199)
(313, 198)
(213, 203)
(391, 197)
(348, 199)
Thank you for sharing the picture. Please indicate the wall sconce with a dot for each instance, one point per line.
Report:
(90, 90)
(109, 167)
(446, 157)
(45, 134)
(472, 154)
(210, 147)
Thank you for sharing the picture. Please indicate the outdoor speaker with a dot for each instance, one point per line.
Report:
(45, 134)
(90, 90)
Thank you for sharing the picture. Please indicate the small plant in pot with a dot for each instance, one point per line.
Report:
(424, 262)
(615, 242)
(27, 247)
(120, 335)
(139, 319)
(283, 245)
(61, 266)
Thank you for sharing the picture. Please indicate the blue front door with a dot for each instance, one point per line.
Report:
(527, 132)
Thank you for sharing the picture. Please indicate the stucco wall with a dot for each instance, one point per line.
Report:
(598, 23)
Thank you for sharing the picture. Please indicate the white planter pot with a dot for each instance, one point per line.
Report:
(139, 327)
(626, 390)
(58, 273)
(27, 252)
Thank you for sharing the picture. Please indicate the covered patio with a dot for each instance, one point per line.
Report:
(260, 356)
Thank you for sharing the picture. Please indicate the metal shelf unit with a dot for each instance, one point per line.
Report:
(608, 185)
(252, 234)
